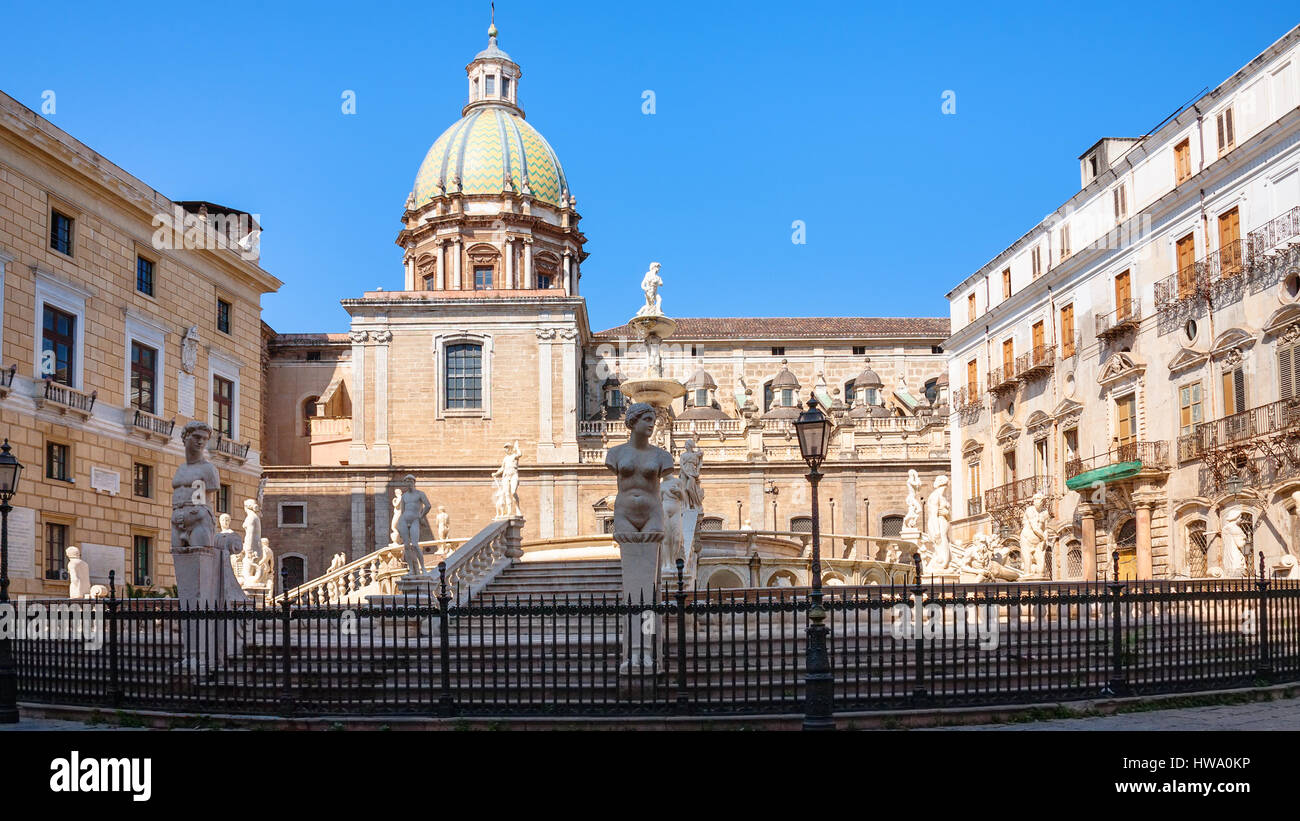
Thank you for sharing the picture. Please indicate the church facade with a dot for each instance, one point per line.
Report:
(488, 344)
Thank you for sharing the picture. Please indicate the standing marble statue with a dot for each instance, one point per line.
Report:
(230, 547)
(442, 525)
(650, 285)
(912, 521)
(415, 506)
(639, 521)
(197, 566)
(252, 526)
(78, 574)
(1234, 561)
(394, 536)
(673, 495)
(507, 483)
(1033, 537)
(692, 460)
(937, 514)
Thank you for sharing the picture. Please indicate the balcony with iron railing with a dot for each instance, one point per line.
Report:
(1279, 418)
(148, 425)
(967, 399)
(1126, 316)
(1136, 457)
(65, 400)
(1273, 237)
(1036, 363)
(1017, 492)
(229, 448)
(1188, 283)
(1003, 379)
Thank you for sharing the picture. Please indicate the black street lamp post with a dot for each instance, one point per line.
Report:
(813, 429)
(10, 470)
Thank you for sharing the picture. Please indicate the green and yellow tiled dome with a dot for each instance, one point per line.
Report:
(490, 150)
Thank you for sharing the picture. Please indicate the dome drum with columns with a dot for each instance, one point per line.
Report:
(491, 208)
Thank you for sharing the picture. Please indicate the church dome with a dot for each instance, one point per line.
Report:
(492, 150)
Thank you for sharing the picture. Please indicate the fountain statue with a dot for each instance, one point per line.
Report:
(78, 574)
(653, 387)
(1033, 539)
(415, 505)
(912, 521)
(937, 514)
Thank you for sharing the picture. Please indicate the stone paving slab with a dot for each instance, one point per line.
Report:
(1281, 714)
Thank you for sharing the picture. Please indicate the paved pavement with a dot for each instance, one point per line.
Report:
(1281, 714)
(59, 725)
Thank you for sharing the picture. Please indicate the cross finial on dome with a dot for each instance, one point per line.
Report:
(492, 26)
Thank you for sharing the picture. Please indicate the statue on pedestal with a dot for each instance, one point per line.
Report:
(415, 506)
(394, 537)
(193, 526)
(78, 574)
(506, 483)
(912, 521)
(442, 525)
(1033, 538)
(937, 514)
(650, 284)
(1234, 561)
(231, 546)
(673, 495)
(252, 526)
(692, 460)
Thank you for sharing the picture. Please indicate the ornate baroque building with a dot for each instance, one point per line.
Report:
(1134, 356)
(488, 343)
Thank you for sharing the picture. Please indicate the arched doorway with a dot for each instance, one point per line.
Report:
(1126, 543)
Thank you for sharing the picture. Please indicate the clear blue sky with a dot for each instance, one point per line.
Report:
(767, 112)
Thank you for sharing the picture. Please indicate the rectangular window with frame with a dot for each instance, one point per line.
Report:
(56, 550)
(859, 350)
(1036, 261)
(142, 560)
(482, 277)
(223, 499)
(464, 388)
(1230, 257)
(972, 379)
(144, 377)
(970, 307)
(144, 275)
(1126, 420)
(1070, 439)
(778, 351)
(293, 514)
(1182, 161)
(1226, 132)
(1040, 457)
(1123, 295)
(1039, 336)
(1234, 391)
(1006, 283)
(1008, 356)
(1067, 330)
(61, 227)
(223, 406)
(1185, 258)
(973, 479)
(1190, 413)
(1008, 467)
(1065, 241)
(58, 345)
(1120, 197)
(223, 316)
(58, 461)
(142, 480)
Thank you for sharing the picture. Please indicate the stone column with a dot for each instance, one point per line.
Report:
(1089, 527)
(357, 455)
(456, 264)
(528, 263)
(441, 281)
(409, 260)
(508, 250)
(1143, 538)
(545, 431)
(570, 287)
(569, 397)
(381, 452)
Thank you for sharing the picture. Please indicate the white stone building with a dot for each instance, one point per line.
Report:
(1140, 344)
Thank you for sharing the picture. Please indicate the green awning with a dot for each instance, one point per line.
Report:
(1109, 473)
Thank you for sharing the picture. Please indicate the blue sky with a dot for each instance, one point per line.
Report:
(766, 113)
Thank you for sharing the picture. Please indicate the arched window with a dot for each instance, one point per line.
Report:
(296, 567)
(1073, 561)
(308, 411)
(801, 524)
(711, 523)
(1197, 550)
(464, 385)
(891, 527)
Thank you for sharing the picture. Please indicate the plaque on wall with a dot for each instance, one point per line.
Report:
(22, 543)
(103, 558)
(185, 394)
(104, 480)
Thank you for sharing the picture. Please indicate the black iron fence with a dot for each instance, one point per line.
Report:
(714, 651)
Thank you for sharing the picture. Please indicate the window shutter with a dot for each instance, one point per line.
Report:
(1222, 141)
(1227, 119)
(1239, 389)
(1286, 382)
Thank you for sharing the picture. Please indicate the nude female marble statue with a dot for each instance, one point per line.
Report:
(442, 524)
(508, 478)
(692, 459)
(1234, 561)
(937, 514)
(639, 466)
(673, 495)
(415, 506)
(252, 526)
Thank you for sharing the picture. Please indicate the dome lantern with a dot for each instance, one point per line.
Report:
(493, 78)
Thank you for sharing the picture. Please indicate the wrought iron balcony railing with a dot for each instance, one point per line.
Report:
(1281, 417)
(1188, 283)
(148, 424)
(229, 448)
(1017, 492)
(66, 399)
(1036, 363)
(967, 398)
(1127, 315)
(1274, 235)
(1002, 379)
(1152, 455)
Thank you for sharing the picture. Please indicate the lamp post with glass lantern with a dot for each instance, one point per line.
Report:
(813, 429)
(10, 470)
